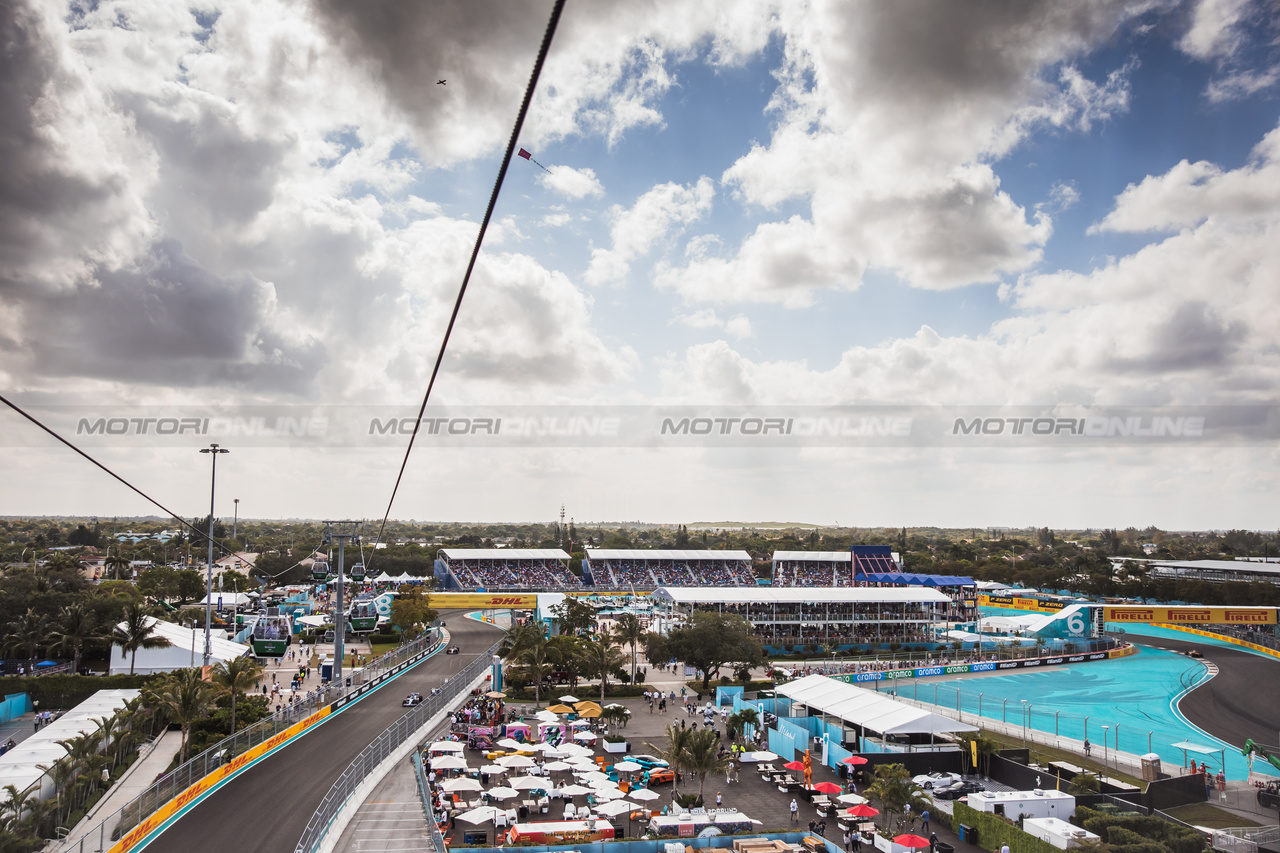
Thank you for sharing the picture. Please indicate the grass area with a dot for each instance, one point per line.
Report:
(1204, 814)
(1043, 754)
(380, 649)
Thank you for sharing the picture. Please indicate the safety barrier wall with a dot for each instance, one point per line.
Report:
(14, 706)
(185, 784)
(1225, 638)
(383, 746)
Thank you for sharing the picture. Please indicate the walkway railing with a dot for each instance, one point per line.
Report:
(382, 747)
(185, 775)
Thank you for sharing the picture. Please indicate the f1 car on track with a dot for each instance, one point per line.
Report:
(411, 700)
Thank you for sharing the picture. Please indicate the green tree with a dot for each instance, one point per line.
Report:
(234, 678)
(629, 632)
(702, 756)
(532, 650)
(28, 634)
(893, 787)
(709, 641)
(75, 625)
(599, 658)
(191, 585)
(159, 582)
(739, 720)
(184, 698)
(411, 613)
(674, 751)
(574, 616)
(115, 564)
(136, 631)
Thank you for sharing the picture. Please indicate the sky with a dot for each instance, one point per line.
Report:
(751, 208)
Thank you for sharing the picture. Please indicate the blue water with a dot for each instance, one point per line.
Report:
(1135, 696)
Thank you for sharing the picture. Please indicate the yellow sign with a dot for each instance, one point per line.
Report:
(973, 749)
(1017, 602)
(169, 809)
(481, 600)
(1190, 614)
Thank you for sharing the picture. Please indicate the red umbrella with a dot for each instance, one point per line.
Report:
(911, 841)
(853, 759)
(862, 810)
(828, 788)
(798, 766)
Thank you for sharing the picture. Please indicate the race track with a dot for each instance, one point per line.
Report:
(1240, 702)
(268, 806)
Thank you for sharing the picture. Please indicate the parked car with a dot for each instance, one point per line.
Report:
(957, 790)
(659, 775)
(930, 781)
(411, 700)
(647, 761)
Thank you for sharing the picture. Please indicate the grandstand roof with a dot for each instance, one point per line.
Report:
(813, 556)
(645, 554)
(504, 554)
(920, 580)
(798, 595)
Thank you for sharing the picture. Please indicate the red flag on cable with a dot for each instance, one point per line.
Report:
(525, 154)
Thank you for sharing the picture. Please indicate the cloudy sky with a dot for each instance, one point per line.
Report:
(227, 203)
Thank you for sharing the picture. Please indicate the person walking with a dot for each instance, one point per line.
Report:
(924, 819)
(933, 842)
(795, 811)
(1088, 747)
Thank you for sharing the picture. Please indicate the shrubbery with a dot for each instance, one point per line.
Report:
(66, 690)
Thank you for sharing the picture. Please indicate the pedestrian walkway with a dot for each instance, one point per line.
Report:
(392, 818)
(18, 729)
(157, 757)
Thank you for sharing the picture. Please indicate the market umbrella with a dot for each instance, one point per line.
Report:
(559, 765)
(546, 715)
(560, 709)
(863, 810)
(578, 724)
(494, 694)
(587, 706)
(627, 767)
(853, 759)
(515, 761)
(575, 790)
(760, 755)
(615, 705)
(568, 698)
(851, 799)
(574, 750)
(910, 840)
(480, 814)
(615, 807)
(502, 792)
(464, 784)
(490, 769)
(608, 792)
(827, 788)
(511, 743)
(528, 783)
(590, 713)
(449, 762)
(585, 736)
(445, 746)
(797, 766)
(643, 794)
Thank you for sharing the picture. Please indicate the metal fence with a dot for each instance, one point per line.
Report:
(185, 775)
(383, 746)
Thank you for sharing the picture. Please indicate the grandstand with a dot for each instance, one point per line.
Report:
(622, 569)
(963, 591)
(505, 568)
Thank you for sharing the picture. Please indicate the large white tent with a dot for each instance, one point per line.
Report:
(20, 766)
(866, 708)
(185, 649)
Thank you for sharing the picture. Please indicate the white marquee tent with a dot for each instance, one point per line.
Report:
(185, 649)
(866, 708)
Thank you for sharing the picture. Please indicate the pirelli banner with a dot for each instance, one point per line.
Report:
(1189, 614)
(481, 600)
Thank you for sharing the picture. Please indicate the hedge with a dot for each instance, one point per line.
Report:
(994, 830)
(1120, 832)
(66, 690)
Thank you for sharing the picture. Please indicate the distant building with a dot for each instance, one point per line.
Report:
(1213, 571)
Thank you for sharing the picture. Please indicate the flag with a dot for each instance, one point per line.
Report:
(525, 154)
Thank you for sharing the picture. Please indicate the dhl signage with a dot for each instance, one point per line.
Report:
(482, 600)
(1191, 615)
(193, 793)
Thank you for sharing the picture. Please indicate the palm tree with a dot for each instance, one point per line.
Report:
(739, 720)
(76, 624)
(115, 562)
(234, 678)
(702, 756)
(531, 648)
(600, 657)
(29, 633)
(63, 774)
(184, 698)
(628, 631)
(674, 752)
(894, 789)
(137, 631)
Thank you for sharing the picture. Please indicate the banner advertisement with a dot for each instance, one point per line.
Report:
(481, 600)
(1189, 614)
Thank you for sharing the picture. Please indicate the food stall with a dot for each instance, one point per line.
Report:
(560, 832)
(553, 733)
(689, 824)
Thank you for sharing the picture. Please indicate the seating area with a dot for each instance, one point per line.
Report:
(492, 573)
(806, 573)
(650, 568)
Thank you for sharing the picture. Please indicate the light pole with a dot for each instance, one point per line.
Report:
(1106, 764)
(235, 519)
(213, 450)
(1025, 706)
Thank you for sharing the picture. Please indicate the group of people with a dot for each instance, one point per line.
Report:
(523, 573)
(44, 718)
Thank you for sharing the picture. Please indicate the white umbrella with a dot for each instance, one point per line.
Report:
(445, 746)
(559, 765)
(613, 705)
(490, 769)
(516, 761)
(616, 807)
(851, 799)
(545, 716)
(575, 790)
(627, 767)
(461, 785)
(528, 783)
(545, 747)
(511, 743)
(502, 793)
(578, 724)
(567, 698)
(449, 762)
(583, 736)
(480, 814)
(609, 793)
(597, 776)
(580, 761)
(643, 794)
(761, 755)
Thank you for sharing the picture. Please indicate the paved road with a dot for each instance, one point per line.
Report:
(268, 806)
(1240, 702)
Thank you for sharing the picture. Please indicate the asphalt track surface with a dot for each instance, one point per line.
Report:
(267, 807)
(1240, 702)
